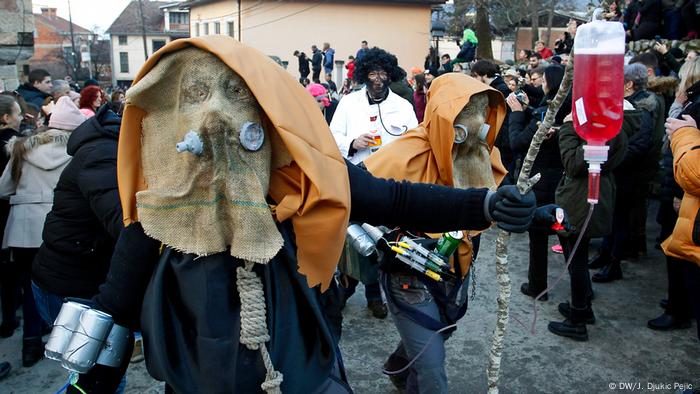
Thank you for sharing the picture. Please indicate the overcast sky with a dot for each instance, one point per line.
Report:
(86, 13)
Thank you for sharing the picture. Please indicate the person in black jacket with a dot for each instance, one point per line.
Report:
(522, 127)
(316, 63)
(37, 89)
(10, 118)
(487, 72)
(303, 66)
(649, 20)
(82, 228)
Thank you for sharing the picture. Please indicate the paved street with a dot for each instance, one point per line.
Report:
(621, 349)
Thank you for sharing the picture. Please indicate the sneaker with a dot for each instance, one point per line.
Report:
(137, 354)
(558, 249)
(378, 309)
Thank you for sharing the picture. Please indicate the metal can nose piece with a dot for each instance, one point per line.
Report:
(191, 143)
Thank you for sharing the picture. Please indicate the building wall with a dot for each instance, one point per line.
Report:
(524, 37)
(279, 28)
(134, 48)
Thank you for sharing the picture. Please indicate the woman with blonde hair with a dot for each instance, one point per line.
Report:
(688, 94)
(36, 162)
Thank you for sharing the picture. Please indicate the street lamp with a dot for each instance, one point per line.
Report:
(437, 31)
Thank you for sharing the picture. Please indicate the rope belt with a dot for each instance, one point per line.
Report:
(254, 332)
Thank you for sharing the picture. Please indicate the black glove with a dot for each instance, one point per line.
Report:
(512, 211)
(545, 217)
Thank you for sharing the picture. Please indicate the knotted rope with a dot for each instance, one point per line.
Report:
(254, 333)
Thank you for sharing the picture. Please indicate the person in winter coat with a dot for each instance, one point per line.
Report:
(571, 196)
(541, 48)
(687, 100)
(36, 162)
(419, 96)
(682, 248)
(38, 89)
(631, 183)
(648, 21)
(10, 119)
(522, 127)
(316, 64)
(328, 58)
(90, 100)
(81, 229)
(366, 121)
(303, 65)
(350, 66)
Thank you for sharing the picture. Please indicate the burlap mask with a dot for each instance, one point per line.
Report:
(204, 202)
(471, 164)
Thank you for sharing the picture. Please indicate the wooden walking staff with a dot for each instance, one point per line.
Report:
(525, 184)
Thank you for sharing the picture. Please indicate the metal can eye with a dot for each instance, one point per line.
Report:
(460, 133)
(252, 136)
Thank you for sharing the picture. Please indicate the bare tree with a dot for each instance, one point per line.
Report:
(483, 30)
(535, 15)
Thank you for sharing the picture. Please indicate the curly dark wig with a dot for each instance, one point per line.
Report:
(377, 59)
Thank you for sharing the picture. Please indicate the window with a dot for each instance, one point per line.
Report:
(122, 40)
(217, 28)
(123, 62)
(196, 29)
(206, 28)
(157, 44)
(179, 18)
(230, 29)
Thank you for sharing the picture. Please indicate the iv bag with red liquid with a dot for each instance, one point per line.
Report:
(598, 93)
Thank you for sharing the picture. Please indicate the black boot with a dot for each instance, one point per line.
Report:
(574, 327)
(565, 310)
(609, 273)
(599, 262)
(528, 291)
(32, 351)
(378, 309)
(667, 322)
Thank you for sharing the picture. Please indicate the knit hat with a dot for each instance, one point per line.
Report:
(66, 115)
(319, 93)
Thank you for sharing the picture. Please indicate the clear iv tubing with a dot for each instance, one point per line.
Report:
(534, 319)
(566, 269)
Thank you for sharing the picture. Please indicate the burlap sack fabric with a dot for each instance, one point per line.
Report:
(428, 153)
(203, 203)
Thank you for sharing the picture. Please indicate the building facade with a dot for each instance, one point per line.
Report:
(278, 28)
(16, 41)
(162, 22)
(57, 50)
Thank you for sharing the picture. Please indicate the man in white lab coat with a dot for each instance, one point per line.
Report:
(364, 121)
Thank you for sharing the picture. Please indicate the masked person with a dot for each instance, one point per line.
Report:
(236, 202)
(364, 122)
(452, 147)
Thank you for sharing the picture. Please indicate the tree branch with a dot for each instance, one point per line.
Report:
(524, 184)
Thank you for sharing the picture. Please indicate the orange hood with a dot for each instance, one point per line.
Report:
(313, 190)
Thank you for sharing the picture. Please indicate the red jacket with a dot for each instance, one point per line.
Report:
(351, 68)
(546, 53)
